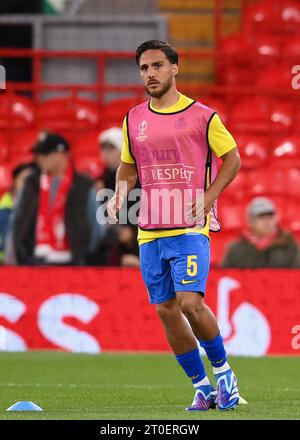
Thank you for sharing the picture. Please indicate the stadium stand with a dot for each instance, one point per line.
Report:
(5, 178)
(66, 114)
(22, 143)
(264, 123)
(114, 112)
(201, 33)
(250, 114)
(273, 77)
(285, 152)
(16, 111)
(272, 17)
(3, 149)
(250, 88)
(218, 105)
(253, 151)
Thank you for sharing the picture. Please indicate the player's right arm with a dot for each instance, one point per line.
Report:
(126, 178)
(125, 181)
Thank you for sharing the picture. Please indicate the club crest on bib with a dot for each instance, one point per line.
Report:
(180, 123)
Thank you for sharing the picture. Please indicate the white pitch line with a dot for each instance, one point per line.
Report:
(142, 387)
(60, 385)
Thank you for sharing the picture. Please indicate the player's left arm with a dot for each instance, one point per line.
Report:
(224, 147)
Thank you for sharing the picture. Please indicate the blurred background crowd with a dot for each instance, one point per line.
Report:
(49, 215)
(71, 78)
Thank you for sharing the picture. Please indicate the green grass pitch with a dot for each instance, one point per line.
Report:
(139, 386)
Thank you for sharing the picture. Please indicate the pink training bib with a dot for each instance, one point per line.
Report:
(175, 164)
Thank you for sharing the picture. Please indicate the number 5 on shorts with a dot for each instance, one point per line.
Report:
(192, 266)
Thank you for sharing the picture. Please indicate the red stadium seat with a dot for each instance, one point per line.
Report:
(272, 17)
(266, 51)
(87, 154)
(232, 45)
(285, 152)
(242, 60)
(292, 182)
(16, 112)
(267, 46)
(5, 178)
(233, 63)
(297, 113)
(87, 144)
(266, 181)
(276, 181)
(277, 77)
(3, 148)
(237, 188)
(232, 75)
(289, 17)
(282, 116)
(231, 214)
(292, 47)
(216, 105)
(259, 19)
(251, 114)
(263, 114)
(253, 151)
(115, 111)
(92, 166)
(291, 218)
(68, 114)
(23, 143)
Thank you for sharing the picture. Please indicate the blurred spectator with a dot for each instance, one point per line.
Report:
(125, 251)
(118, 246)
(110, 142)
(53, 221)
(8, 206)
(264, 244)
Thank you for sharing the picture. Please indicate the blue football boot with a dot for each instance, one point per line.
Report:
(227, 390)
(205, 398)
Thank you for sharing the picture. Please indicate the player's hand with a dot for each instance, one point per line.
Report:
(130, 260)
(208, 202)
(200, 209)
(114, 207)
(196, 212)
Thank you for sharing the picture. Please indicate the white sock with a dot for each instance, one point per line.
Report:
(204, 381)
(225, 367)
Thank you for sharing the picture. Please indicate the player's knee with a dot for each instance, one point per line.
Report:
(191, 308)
(166, 311)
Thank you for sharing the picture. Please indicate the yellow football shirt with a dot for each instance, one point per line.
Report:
(220, 141)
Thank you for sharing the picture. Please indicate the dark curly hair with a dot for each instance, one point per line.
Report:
(166, 48)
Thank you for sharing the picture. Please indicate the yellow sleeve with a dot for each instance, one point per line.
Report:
(126, 155)
(219, 138)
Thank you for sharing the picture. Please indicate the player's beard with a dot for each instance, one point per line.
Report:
(159, 93)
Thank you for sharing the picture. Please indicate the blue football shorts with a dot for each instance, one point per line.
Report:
(175, 264)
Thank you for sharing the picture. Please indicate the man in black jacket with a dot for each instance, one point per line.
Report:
(52, 223)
